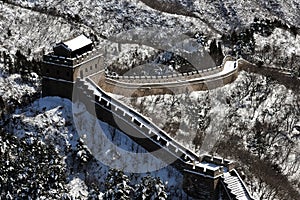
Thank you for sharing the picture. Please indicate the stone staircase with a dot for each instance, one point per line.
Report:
(235, 186)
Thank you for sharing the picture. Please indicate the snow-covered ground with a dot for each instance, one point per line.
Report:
(15, 92)
(227, 15)
(13, 87)
(34, 32)
(109, 17)
(50, 120)
(201, 120)
(280, 49)
(254, 108)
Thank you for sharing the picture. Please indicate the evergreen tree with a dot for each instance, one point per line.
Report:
(83, 154)
(117, 186)
(150, 189)
(29, 169)
(215, 51)
(94, 193)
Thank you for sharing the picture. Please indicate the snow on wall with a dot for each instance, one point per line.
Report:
(50, 119)
(233, 109)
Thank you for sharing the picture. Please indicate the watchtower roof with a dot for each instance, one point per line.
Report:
(77, 43)
(74, 47)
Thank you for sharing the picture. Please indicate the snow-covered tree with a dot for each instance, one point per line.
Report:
(30, 169)
(83, 153)
(117, 186)
(150, 189)
(94, 193)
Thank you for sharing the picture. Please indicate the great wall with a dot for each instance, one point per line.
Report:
(172, 84)
(205, 177)
(82, 78)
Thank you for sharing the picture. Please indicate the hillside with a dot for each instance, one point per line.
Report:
(254, 120)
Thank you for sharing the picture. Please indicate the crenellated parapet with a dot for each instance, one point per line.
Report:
(165, 78)
(171, 84)
(205, 176)
(72, 71)
(66, 63)
(71, 61)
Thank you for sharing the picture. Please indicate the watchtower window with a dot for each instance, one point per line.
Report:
(47, 71)
(86, 70)
(68, 74)
(96, 66)
(57, 72)
(91, 67)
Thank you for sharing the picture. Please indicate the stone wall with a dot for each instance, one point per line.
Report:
(178, 87)
(201, 182)
(201, 187)
(57, 88)
(59, 73)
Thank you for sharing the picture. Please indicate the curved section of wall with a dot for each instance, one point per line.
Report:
(170, 85)
(166, 78)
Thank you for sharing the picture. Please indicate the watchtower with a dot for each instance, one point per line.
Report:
(69, 60)
(206, 178)
(218, 180)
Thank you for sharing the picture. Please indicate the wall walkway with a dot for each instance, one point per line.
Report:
(154, 139)
(175, 84)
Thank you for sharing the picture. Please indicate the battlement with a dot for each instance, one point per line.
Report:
(203, 175)
(219, 161)
(70, 62)
(68, 72)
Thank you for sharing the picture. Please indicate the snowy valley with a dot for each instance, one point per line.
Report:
(255, 120)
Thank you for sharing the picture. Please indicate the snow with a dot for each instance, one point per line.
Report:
(280, 49)
(120, 155)
(210, 166)
(15, 91)
(281, 38)
(33, 30)
(78, 42)
(252, 98)
(229, 67)
(50, 119)
(78, 188)
(220, 113)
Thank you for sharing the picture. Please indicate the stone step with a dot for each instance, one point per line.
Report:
(235, 187)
